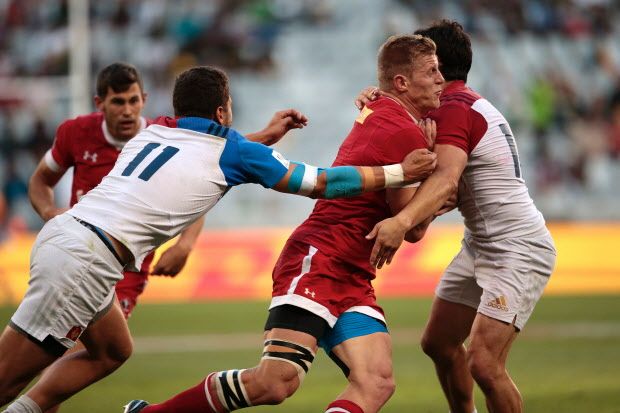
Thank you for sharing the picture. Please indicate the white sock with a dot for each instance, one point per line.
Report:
(23, 405)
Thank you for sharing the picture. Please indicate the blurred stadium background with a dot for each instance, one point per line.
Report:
(551, 66)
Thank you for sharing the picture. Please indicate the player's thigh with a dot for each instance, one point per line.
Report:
(291, 335)
(448, 326)
(490, 340)
(458, 282)
(513, 274)
(367, 356)
(108, 335)
(360, 345)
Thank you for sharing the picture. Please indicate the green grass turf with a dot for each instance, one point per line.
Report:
(556, 367)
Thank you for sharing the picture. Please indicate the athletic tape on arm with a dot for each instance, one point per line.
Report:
(341, 181)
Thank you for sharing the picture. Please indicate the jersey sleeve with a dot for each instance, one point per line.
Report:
(61, 148)
(251, 162)
(452, 126)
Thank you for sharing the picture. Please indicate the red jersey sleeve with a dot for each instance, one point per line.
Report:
(452, 126)
(61, 148)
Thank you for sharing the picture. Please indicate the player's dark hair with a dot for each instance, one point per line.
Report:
(199, 91)
(453, 48)
(119, 77)
(398, 54)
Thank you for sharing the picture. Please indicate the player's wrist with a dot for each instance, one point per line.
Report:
(183, 247)
(394, 175)
(404, 221)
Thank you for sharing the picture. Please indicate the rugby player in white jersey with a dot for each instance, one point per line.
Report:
(490, 289)
(165, 178)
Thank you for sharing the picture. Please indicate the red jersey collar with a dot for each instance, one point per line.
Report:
(454, 86)
(400, 106)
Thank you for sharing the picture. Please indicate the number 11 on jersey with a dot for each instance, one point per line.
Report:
(167, 153)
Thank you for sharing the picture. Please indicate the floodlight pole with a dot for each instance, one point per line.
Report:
(79, 57)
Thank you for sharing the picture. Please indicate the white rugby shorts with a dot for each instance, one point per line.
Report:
(72, 278)
(502, 279)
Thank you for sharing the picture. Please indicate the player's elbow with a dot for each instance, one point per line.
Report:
(451, 185)
(414, 235)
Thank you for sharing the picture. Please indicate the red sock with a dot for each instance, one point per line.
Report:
(343, 406)
(190, 401)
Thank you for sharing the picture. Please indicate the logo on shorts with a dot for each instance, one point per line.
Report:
(310, 293)
(74, 333)
(499, 303)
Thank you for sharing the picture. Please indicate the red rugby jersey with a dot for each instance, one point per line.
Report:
(383, 134)
(85, 144)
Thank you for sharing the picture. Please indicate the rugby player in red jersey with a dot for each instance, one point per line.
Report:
(490, 289)
(322, 282)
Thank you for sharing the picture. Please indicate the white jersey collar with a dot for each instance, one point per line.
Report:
(117, 143)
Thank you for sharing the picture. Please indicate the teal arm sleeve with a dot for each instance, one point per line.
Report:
(341, 181)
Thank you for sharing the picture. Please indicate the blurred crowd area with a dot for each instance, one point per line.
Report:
(552, 67)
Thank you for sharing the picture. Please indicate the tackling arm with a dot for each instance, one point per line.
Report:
(348, 181)
(431, 196)
(41, 190)
(397, 199)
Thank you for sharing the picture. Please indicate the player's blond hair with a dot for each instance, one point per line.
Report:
(398, 55)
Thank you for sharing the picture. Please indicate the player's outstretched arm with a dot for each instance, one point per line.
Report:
(281, 122)
(41, 191)
(348, 181)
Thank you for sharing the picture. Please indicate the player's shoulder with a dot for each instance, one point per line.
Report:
(387, 107)
(86, 121)
(386, 116)
(81, 125)
(459, 95)
(166, 121)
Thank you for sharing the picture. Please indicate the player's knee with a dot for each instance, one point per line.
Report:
(435, 348)
(117, 354)
(377, 383)
(121, 353)
(281, 372)
(278, 384)
(430, 346)
(484, 368)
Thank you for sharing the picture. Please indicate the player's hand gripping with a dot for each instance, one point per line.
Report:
(450, 204)
(171, 261)
(429, 127)
(281, 122)
(418, 165)
(388, 235)
(366, 96)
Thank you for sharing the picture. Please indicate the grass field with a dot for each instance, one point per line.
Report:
(566, 360)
